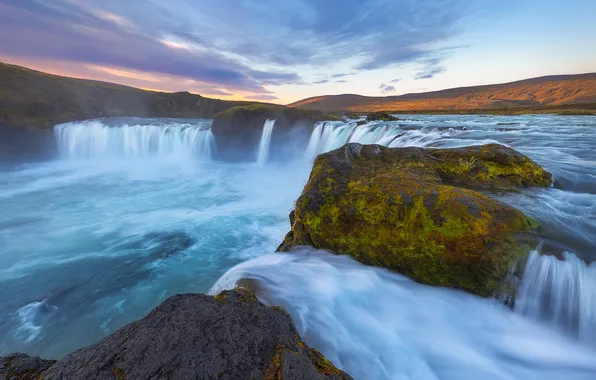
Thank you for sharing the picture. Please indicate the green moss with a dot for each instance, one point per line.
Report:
(273, 110)
(323, 365)
(380, 116)
(119, 373)
(281, 310)
(299, 341)
(490, 167)
(273, 370)
(240, 293)
(251, 107)
(465, 165)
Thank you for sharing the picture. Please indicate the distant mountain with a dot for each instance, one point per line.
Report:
(30, 98)
(549, 91)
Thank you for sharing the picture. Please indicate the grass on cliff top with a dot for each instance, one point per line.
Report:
(313, 114)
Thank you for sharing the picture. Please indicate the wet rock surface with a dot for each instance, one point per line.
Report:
(238, 130)
(23, 367)
(192, 336)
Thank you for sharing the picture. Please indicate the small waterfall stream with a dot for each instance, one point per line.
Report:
(561, 293)
(263, 154)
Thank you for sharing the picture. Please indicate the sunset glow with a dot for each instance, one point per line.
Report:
(282, 53)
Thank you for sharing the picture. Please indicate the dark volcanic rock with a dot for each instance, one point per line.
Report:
(23, 367)
(194, 336)
(238, 130)
(413, 210)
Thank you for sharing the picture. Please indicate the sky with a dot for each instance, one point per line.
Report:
(282, 51)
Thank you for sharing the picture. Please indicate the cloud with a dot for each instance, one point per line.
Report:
(334, 78)
(78, 35)
(388, 87)
(433, 66)
(429, 73)
(234, 45)
(385, 89)
(341, 75)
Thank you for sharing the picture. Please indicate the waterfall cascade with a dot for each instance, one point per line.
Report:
(561, 293)
(265, 143)
(328, 136)
(93, 139)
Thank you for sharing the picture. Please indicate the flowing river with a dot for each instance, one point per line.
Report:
(136, 210)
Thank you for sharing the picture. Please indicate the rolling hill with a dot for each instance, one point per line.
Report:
(549, 91)
(30, 98)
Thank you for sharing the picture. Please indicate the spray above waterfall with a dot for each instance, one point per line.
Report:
(264, 145)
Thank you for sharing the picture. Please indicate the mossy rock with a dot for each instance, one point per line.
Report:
(380, 116)
(415, 211)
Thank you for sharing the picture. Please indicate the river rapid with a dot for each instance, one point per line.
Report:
(136, 210)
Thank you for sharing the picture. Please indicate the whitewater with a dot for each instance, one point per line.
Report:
(133, 211)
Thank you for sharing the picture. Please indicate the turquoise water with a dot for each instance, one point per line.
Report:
(135, 210)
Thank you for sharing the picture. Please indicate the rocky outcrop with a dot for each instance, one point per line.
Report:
(380, 116)
(23, 367)
(30, 98)
(238, 130)
(416, 211)
(192, 336)
(24, 144)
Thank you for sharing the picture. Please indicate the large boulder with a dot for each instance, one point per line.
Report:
(415, 211)
(238, 130)
(192, 336)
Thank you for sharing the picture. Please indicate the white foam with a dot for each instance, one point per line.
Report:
(380, 325)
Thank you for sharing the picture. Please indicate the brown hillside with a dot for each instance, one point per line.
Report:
(31, 98)
(537, 92)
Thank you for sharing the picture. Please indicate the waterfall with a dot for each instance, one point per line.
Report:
(328, 136)
(94, 139)
(263, 153)
(561, 293)
(312, 148)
